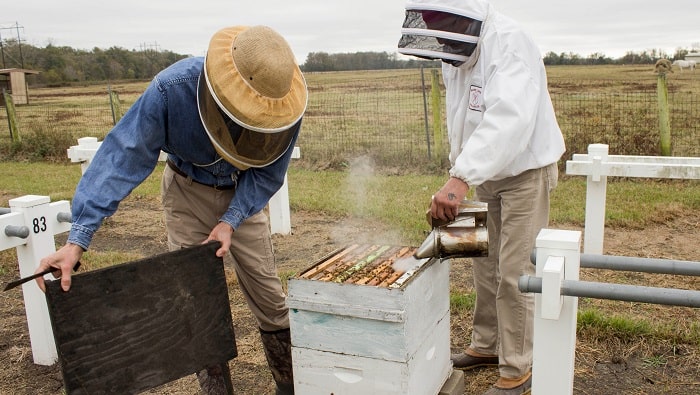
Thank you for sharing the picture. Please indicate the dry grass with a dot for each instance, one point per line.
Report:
(381, 114)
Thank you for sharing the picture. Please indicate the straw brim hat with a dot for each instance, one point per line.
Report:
(251, 77)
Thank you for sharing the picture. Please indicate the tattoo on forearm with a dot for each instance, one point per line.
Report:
(451, 196)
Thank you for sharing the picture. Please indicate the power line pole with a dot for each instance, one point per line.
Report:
(19, 44)
(150, 47)
(15, 27)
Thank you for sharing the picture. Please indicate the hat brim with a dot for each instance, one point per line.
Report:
(240, 146)
(240, 100)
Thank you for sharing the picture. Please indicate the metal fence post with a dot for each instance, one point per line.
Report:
(436, 105)
(425, 110)
(11, 117)
(664, 122)
(114, 105)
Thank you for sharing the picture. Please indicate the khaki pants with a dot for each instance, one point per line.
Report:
(518, 207)
(191, 212)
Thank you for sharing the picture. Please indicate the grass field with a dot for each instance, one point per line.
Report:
(386, 116)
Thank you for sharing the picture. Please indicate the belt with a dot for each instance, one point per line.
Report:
(183, 174)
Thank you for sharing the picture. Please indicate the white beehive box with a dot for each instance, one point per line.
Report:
(424, 373)
(350, 338)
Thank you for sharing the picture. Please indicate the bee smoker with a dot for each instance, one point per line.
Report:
(465, 237)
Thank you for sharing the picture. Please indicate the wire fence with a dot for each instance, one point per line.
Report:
(388, 118)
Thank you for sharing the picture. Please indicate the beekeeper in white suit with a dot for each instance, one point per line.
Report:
(504, 143)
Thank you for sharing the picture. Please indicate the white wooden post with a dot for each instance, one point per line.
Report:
(84, 152)
(596, 193)
(554, 348)
(597, 165)
(43, 220)
(280, 219)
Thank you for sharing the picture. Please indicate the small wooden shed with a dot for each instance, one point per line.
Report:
(14, 81)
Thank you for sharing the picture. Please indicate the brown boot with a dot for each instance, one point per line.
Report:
(278, 351)
(505, 386)
(471, 360)
(215, 380)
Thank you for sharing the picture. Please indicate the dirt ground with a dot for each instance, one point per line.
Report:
(604, 364)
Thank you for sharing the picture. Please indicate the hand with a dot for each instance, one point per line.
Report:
(64, 260)
(445, 202)
(222, 233)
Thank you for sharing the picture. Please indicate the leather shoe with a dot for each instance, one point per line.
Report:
(522, 389)
(464, 361)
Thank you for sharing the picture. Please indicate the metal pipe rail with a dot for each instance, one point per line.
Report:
(635, 264)
(623, 292)
(17, 231)
(64, 217)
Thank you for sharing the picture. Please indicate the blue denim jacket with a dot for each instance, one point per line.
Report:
(166, 118)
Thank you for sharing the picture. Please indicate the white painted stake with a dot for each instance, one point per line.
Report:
(280, 218)
(558, 258)
(596, 192)
(42, 220)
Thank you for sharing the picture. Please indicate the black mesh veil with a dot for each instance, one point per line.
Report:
(439, 35)
(239, 146)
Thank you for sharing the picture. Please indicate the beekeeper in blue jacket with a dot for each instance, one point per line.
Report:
(228, 123)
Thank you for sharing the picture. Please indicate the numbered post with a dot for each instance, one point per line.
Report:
(39, 220)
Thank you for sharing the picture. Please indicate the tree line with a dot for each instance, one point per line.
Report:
(630, 57)
(322, 61)
(61, 65)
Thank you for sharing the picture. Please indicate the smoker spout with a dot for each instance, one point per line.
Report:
(429, 247)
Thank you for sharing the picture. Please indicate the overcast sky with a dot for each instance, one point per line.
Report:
(333, 26)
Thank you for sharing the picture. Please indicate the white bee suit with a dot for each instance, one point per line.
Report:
(504, 143)
(497, 101)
